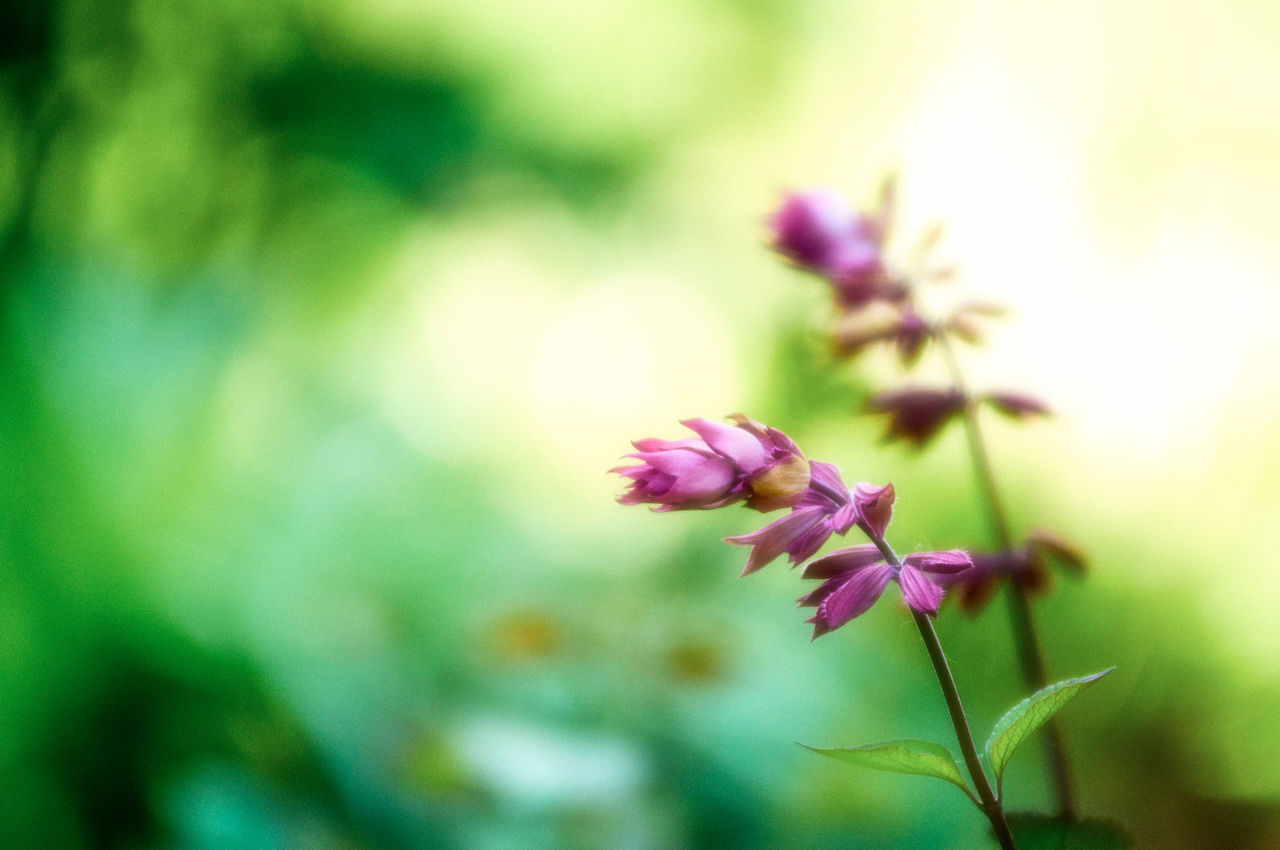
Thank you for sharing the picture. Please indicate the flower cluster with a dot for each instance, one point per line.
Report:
(762, 467)
(854, 578)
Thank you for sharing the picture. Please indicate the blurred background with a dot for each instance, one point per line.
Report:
(320, 322)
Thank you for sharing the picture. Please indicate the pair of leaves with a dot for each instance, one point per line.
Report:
(926, 758)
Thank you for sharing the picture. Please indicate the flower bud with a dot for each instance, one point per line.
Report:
(723, 465)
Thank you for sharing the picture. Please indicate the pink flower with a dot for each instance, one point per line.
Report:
(854, 578)
(722, 465)
(826, 508)
(820, 231)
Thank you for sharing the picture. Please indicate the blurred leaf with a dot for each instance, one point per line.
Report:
(1034, 831)
(1029, 715)
(924, 758)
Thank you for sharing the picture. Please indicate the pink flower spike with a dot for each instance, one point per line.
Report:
(876, 506)
(949, 562)
(851, 598)
(920, 593)
(777, 537)
(842, 561)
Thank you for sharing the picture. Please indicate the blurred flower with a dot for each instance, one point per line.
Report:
(723, 465)
(917, 414)
(819, 231)
(817, 228)
(859, 329)
(1026, 565)
(854, 578)
(911, 334)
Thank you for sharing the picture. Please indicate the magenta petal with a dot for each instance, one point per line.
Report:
(876, 506)
(698, 478)
(851, 598)
(737, 444)
(844, 518)
(827, 475)
(815, 597)
(653, 444)
(774, 539)
(951, 561)
(920, 593)
(841, 561)
(809, 542)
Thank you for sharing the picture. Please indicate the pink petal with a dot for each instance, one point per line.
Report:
(876, 505)
(920, 593)
(842, 560)
(951, 561)
(772, 540)
(737, 444)
(851, 598)
(653, 444)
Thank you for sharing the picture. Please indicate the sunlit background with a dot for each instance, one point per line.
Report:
(322, 321)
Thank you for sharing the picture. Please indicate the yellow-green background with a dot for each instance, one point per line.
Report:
(321, 321)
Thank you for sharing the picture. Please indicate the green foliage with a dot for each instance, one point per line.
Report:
(1021, 721)
(923, 758)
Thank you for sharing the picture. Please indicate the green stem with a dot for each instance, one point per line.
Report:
(1026, 637)
(989, 802)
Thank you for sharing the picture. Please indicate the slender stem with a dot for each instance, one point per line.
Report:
(1026, 638)
(990, 803)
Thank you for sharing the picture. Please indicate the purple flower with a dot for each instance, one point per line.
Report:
(917, 414)
(911, 334)
(1025, 565)
(860, 329)
(854, 578)
(817, 229)
(858, 274)
(722, 465)
(827, 507)
(820, 232)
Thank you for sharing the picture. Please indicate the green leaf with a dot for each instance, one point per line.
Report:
(901, 756)
(1034, 831)
(1026, 717)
